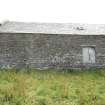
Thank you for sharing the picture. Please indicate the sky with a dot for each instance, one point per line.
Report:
(59, 11)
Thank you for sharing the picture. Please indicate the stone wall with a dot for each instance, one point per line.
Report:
(48, 50)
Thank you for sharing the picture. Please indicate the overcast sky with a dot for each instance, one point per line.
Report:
(69, 11)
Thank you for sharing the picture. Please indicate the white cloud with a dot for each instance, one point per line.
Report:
(80, 11)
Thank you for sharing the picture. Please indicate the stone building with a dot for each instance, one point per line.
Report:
(52, 45)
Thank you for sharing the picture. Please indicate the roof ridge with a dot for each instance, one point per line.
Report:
(55, 23)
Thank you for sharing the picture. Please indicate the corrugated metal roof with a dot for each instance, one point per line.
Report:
(52, 28)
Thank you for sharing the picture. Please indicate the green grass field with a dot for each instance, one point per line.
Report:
(35, 87)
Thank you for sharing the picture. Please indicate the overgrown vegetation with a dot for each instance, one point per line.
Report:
(33, 87)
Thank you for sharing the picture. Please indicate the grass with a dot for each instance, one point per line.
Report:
(33, 87)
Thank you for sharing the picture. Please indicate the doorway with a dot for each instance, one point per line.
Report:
(88, 55)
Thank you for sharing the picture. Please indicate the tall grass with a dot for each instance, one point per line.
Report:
(33, 87)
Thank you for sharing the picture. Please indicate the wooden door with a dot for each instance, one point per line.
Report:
(88, 55)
